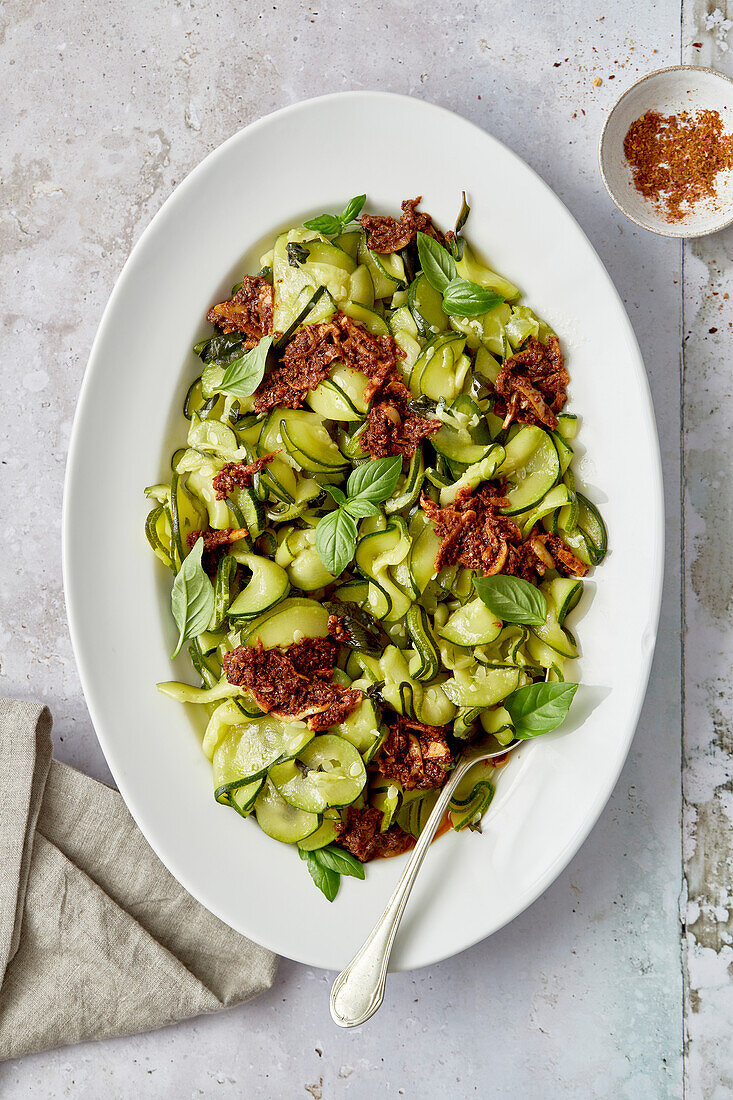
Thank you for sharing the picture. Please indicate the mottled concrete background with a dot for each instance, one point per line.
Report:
(617, 983)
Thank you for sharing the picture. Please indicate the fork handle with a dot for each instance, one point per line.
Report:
(358, 991)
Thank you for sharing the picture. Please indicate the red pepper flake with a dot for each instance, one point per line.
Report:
(697, 45)
(675, 159)
(711, 330)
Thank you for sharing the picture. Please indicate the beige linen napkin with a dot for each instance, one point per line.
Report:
(96, 937)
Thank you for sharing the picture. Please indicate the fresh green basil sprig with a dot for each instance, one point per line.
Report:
(192, 597)
(331, 224)
(327, 865)
(368, 486)
(461, 298)
(243, 375)
(539, 708)
(512, 599)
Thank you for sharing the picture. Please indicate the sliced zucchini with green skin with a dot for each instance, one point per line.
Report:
(158, 529)
(472, 796)
(469, 267)
(435, 372)
(362, 727)
(196, 404)
(558, 497)
(361, 288)
(423, 554)
(280, 820)
(563, 593)
(564, 451)
(302, 440)
(252, 511)
(481, 686)
(324, 835)
(567, 425)
(287, 623)
(591, 523)
(401, 320)
(560, 598)
(211, 436)
(426, 305)
(471, 625)
(386, 797)
(186, 514)
(185, 693)
(328, 772)
(375, 553)
(474, 475)
(413, 814)
(249, 747)
(225, 572)
(408, 489)
(387, 271)
(268, 585)
(243, 798)
(326, 266)
(497, 722)
(531, 467)
(421, 634)
(349, 242)
(487, 330)
(367, 318)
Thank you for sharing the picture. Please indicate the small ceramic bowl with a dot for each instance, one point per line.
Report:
(669, 91)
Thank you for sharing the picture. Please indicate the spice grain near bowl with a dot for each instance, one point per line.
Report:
(675, 159)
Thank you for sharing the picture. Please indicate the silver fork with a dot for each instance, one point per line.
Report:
(358, 991)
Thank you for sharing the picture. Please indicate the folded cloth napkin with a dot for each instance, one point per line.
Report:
(96, 937)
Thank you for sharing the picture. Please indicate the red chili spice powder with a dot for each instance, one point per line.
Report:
(675, 159)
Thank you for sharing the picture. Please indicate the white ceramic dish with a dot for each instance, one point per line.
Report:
(669, 91)
(128, 419)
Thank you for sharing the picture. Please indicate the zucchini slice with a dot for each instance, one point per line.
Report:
(531, 467)
(288, 622)
(280, 820)
(268, 585)
(471, 625)
(328, 772)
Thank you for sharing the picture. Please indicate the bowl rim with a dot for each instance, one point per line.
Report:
(676, 234)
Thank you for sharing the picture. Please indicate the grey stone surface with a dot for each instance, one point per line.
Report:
(106, 108)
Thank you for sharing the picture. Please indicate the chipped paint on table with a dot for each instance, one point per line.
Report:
(597, 990)
(707, 610)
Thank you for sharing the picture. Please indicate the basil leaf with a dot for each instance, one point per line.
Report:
(353, 209)
(375, 480)
(297, 254)
(328, 224)
(222, 348)
(422, 406)
(333, 490)
(512, 599)
(339, 860)
(326, 880)
(362, 631)
(360, 507)
(464, 299)
(243, 376)
(438, 265)
(192, 597)
(336, 540)
(539, 708)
